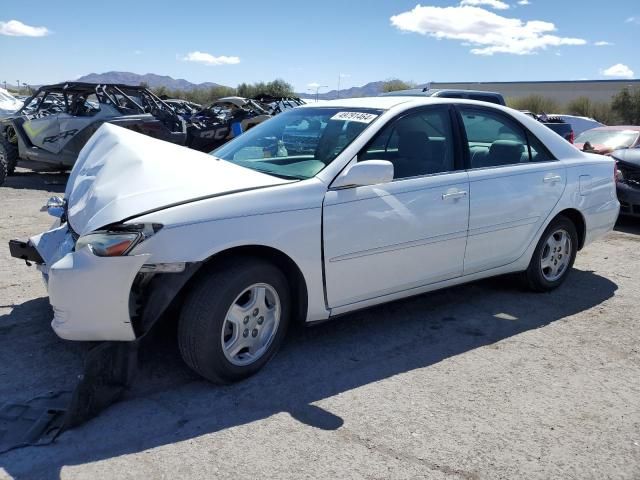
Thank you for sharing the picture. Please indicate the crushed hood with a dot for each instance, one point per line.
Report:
(597, 148)
(630, 156)
(121, 174)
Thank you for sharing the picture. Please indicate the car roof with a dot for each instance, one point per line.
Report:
(388, 102)
(619, 127)
(435, 92)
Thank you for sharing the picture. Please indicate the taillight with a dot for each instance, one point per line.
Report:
(618, 176)
(572, 137)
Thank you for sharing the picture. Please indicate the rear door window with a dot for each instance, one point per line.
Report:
(495, 140)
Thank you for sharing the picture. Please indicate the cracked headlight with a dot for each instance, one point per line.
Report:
(109, 244)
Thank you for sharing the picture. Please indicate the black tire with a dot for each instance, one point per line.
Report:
(205, 308)
(3, 169)
(9, 152)
(535, 277)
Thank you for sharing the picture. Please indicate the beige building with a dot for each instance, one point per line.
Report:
(561, 91)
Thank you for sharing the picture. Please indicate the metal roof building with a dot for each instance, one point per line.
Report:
(562, 91)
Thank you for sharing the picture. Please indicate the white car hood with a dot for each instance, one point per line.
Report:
(121, 174)
(8, 103)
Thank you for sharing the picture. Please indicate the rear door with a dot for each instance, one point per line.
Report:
(514, 184)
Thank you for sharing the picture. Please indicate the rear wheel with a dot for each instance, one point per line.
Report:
(554, 255)
(234, 320)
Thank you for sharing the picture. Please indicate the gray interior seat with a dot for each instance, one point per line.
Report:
(505, 152)
(419, 155)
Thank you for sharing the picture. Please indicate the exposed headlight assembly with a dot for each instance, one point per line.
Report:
(109, 244)
(116, 243)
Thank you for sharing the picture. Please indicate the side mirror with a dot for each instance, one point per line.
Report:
(369, 172)
(55, 207)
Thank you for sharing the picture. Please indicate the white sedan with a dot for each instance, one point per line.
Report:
(320, 211)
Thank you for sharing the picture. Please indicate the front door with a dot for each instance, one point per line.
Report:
(386, 238)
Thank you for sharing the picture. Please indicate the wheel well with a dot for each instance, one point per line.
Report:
(299, 294)
(578, 220)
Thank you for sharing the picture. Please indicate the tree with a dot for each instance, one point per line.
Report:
(395, 84)
(534, 103)
(584, 107)
(276, 88)
(626, 105)
(581, 106)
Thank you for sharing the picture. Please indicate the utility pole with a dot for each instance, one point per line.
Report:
(339, 77)
(318, 89)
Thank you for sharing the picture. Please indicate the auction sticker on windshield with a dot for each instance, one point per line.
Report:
(361, 117)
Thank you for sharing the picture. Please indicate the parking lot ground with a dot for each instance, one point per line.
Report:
(483, 381)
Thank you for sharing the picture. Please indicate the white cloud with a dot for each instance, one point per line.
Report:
(618, 70)
(15, 28)
(602, 43)
(208, 59)
(486, 31)
(313, 85)
(635, 20)
(497, 4)
(138, 52)
(524, 2)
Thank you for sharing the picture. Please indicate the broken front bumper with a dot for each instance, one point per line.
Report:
(629, 197)
(89, 294)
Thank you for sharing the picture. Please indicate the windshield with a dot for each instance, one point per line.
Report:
(299, 142)
(609, 138)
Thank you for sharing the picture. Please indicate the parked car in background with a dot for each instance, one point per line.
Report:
(628, 180)
(578, 124)
(479, 95)
(558, 125)
(604, 140)
(398, 196)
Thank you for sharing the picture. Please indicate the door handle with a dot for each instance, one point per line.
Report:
(552, 178)
(454, 195)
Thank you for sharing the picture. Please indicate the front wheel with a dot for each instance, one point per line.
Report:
(234, 320)
(9, 151)
(554, 255)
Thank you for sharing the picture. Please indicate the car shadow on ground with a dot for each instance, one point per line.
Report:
(168, 403)
(628, 225)
(30, 180)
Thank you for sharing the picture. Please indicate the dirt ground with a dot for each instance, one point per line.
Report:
(482, 381)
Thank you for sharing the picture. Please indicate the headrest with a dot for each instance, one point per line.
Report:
(509, 148)
(412, 142)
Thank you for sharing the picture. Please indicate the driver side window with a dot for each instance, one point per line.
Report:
(417, 144)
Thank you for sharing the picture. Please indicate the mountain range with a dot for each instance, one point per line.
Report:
(151, 79)
(155, 81)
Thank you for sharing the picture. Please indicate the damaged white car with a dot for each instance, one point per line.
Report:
(319, 211)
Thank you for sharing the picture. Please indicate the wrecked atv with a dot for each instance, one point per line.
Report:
(223, 120)
(49, 131)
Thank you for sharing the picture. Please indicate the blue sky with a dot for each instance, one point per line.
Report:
(314, 42)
